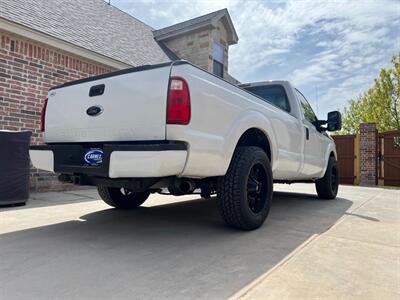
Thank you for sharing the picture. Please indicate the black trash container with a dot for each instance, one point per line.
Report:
(14, 167)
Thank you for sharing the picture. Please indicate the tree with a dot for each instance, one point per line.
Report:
(380, 104)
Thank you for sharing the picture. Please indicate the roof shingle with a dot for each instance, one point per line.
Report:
(203, 21)
(188, 23)
(90, 24)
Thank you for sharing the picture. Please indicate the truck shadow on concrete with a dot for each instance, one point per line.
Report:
(180, 250)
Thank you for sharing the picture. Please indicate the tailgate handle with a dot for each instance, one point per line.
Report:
(96, 90)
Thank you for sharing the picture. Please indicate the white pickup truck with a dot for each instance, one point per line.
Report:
(179, 128)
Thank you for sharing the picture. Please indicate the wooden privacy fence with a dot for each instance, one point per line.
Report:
(389, 158)
(346, 148)
(371, 155)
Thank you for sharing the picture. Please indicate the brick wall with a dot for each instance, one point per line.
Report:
(27, 70)
(368, 154)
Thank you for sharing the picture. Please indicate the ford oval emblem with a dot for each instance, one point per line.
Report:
(94, 111)
(94, 157)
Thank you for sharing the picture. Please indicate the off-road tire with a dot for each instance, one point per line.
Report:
(233, 189)
(115, 198)
(327, 187)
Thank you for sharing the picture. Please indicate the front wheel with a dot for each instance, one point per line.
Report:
(327, 187)
(122, 198)
(245, 192)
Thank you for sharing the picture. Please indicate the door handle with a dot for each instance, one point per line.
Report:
(96, 90)
(307, 133)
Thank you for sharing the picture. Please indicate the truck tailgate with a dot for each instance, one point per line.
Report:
(131, 108)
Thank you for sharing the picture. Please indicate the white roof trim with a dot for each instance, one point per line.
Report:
(185, 30)
(234, 37)
(212, 22)
(60, 44)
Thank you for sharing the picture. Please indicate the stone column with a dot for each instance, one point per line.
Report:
(368, 154)
(194, 47)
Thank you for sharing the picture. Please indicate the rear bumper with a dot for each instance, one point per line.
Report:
(121, 160)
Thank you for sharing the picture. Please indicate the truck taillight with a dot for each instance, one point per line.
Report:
(178, 102)
(43, 115)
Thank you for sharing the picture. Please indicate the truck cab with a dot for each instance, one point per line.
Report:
(309, 142)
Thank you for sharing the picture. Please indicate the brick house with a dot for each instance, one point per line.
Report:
(45, 43)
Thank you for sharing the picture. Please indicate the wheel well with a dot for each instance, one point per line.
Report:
(332, 154)
(255, 137)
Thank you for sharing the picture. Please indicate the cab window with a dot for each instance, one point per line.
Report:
(274, 94)
(308, 113)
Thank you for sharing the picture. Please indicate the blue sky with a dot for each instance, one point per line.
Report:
(331, 50)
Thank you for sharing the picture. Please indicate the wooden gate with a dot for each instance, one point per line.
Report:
(389, 157)
(346, 157)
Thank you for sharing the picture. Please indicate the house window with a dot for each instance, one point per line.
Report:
(218, 59)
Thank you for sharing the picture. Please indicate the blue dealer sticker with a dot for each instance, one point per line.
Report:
(94, 157)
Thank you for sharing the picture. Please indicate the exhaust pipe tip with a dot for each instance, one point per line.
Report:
(187, 186)
(64, 178)
(182, 186)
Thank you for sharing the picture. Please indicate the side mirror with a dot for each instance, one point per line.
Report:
(334, 121)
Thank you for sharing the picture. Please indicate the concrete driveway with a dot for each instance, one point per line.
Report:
(71, 246)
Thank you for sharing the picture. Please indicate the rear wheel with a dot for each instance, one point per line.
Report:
(122, 198)
(245, 192)
(327, 187)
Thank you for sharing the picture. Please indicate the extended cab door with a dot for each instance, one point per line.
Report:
(314, 155)
(285, 126)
